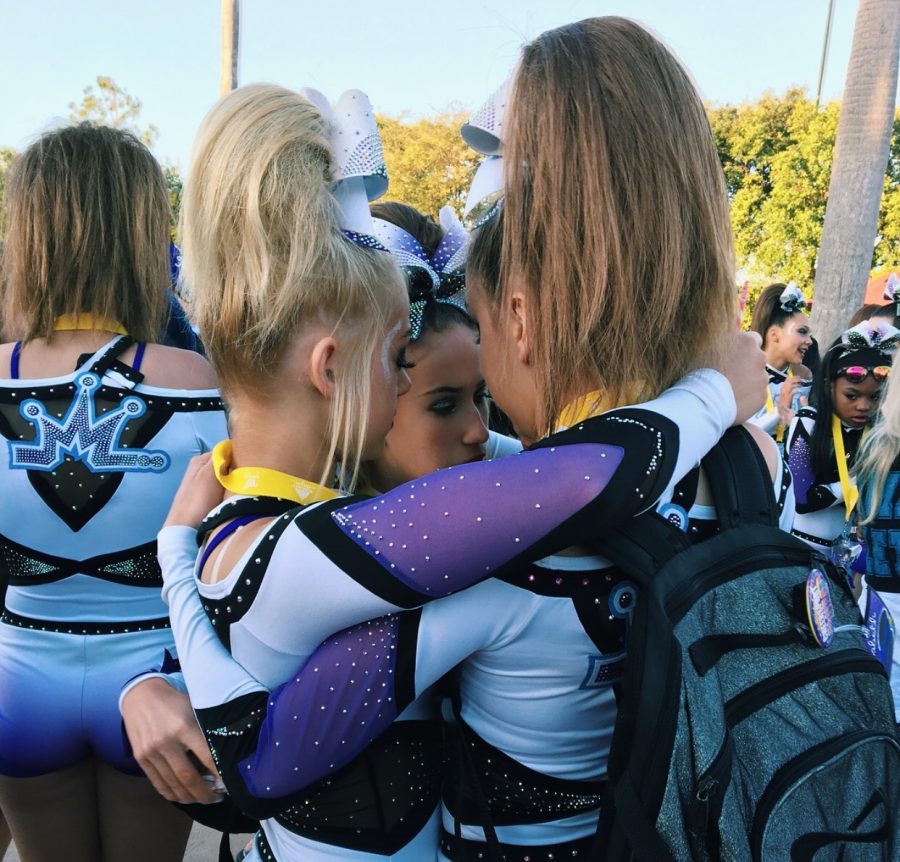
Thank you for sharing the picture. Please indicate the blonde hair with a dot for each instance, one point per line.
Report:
(616, 223)
(263, 254)
(88, 233)
(879, 450)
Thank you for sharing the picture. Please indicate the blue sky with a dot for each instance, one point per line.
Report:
(416, 57)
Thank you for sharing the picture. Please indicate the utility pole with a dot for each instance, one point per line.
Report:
(231, 41)
(825, 45)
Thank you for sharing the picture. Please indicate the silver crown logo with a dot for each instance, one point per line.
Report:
(84, 436)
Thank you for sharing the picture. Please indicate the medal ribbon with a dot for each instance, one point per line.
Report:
(851, 494)
(72, 322)
(265, 482)
(583, 407)
(594, 403)
(770, 408)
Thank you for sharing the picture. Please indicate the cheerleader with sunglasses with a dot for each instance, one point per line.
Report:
(823, 439)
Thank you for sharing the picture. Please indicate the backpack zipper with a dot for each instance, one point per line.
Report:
(725, 570)
(743, 705)
(794, 769)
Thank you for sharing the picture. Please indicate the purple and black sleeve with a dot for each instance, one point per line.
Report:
(425, 540)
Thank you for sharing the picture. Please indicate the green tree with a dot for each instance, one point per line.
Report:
(428, 163)
(175, 185)
(7, 154)
(112, 105)
(776, 155)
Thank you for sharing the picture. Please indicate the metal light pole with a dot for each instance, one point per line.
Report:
(231, 40)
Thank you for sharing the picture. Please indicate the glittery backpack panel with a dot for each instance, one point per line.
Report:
(739, 736)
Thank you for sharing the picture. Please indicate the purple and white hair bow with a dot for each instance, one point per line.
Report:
(892, 289)
(359, 173)
(484, 133)
(874, 333)
(439, 278)
(792, 299)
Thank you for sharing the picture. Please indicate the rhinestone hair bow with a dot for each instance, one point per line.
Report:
(792, 299)
(875, 334)
(892, 289)
(440, 278)
(359, 172)
(484, 133)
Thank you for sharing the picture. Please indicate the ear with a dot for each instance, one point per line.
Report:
(519, 329)
(773, 334)
(322, 366)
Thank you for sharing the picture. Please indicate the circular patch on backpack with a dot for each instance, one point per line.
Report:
(675, 515)
(819, 608)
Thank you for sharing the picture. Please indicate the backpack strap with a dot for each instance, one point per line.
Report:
(742, 492)
(469, 772)
(739, 480)
(644, 545)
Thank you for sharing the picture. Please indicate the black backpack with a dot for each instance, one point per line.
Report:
(738, 736)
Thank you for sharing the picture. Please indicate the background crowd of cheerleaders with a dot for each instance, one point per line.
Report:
(331, 362)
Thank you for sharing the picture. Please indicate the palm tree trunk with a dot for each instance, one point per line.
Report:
(231, 32)
(857, 177)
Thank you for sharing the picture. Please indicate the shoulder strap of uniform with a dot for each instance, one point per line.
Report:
(105, 361)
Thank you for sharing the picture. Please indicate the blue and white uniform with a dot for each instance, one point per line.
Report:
(91, 461)
(330, 565)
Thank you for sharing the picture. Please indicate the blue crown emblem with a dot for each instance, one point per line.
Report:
(84, 436)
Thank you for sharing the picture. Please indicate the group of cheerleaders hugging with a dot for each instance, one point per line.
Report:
(368, 550)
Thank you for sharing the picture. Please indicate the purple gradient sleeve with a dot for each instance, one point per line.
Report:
(439, 534)
(799, 462)
(336, 705)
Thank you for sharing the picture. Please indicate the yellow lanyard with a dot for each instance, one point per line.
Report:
(583, 407)
(70, 322)
(770, 408)
(594, 403)
(265, 482)
(848, 486)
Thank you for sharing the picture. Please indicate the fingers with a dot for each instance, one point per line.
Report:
(173, 773)
(195, 743)
(167, 742)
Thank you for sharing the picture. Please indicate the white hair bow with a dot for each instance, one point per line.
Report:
(360, 174)
(484, 133)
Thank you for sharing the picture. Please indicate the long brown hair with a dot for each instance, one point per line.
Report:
(616, 220)
(88, 233)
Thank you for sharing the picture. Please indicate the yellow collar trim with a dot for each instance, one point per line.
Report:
(265, 482)
(72, 322)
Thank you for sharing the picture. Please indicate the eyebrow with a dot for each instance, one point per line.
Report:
(448, 390)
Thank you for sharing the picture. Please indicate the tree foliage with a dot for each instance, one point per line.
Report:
(777, 155)
(112, 105)
(428, 163)
(7, 154)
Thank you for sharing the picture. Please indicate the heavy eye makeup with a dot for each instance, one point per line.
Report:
(449, 399)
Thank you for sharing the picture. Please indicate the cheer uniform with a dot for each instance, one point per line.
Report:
(344, 562)
(821, 511)
(767, 416)
(92, 463)
(537, 672)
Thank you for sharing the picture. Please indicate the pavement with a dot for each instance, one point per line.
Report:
(203, 846)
